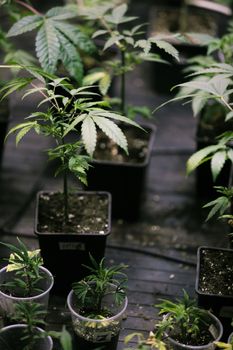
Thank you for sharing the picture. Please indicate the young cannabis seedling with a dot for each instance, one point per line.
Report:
(30, 314)
(92, 289)
(26, 266)
(143, 343)
(132, 48)
(184, 320)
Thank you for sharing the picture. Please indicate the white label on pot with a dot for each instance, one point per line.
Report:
(226, 311)
(213, 331)
(72, 246)
(102, 337)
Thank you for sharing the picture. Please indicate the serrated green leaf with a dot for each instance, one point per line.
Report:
(197, 158)
(229, 116)
(74, 123)
(198, 102)
(93, 77)
(167, 47)
(217, 163)
(89, 135)
(26, 24)
(104, 84)
(22, 133)
(118, 13)
(99, 32)
(112, 131)
(230, 154)
(60, 13)
(47, 46)
(115, 116)
(70, 58)
(111, 41)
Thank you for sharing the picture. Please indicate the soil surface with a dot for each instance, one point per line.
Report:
(168, 20)
(216, 272)
(137, 146)
(205, 337)
(87, 213)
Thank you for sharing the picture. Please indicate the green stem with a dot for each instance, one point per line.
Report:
(65, 189)
(183, 17)
(123, 82)
(226, 104)
(29, 7)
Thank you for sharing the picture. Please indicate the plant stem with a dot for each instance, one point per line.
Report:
(123, 82)
(65, 189)
(29, 7)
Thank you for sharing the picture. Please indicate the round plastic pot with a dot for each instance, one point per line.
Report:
(7, 301)
(230, 338)
(215, 328)
(11, 339)
(90, 333)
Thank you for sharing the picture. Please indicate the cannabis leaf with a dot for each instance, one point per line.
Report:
(56, 40)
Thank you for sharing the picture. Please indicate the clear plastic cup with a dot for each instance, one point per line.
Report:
(11, 338)
(93, 333)
(7, 301)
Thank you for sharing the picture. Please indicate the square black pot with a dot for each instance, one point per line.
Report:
(65, 253)
(220, 304)
(125, 181)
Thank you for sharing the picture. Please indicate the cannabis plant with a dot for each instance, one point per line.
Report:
(57, 41)
(92, 289)
(70, 110)
(26, 265)
(130, 43)
(30, 314)
(143, 343)
(184, 320)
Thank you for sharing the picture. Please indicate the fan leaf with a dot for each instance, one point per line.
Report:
(47, 46)
(26, 24)
(89, 135)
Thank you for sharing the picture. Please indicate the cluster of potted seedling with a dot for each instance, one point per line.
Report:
(97, 305)
(79, 107)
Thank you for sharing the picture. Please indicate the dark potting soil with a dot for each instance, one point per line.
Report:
(87, 213)
(216, 272)
(168, 20)
(205, 336)
(137, 147)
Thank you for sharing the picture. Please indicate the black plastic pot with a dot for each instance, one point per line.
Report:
(162, 76)
(65, 253)
(125, 181)
(220, 304)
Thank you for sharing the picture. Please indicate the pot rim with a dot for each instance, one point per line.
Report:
(32, 298)
(87, 319)
(199, 347)
(212, 6)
